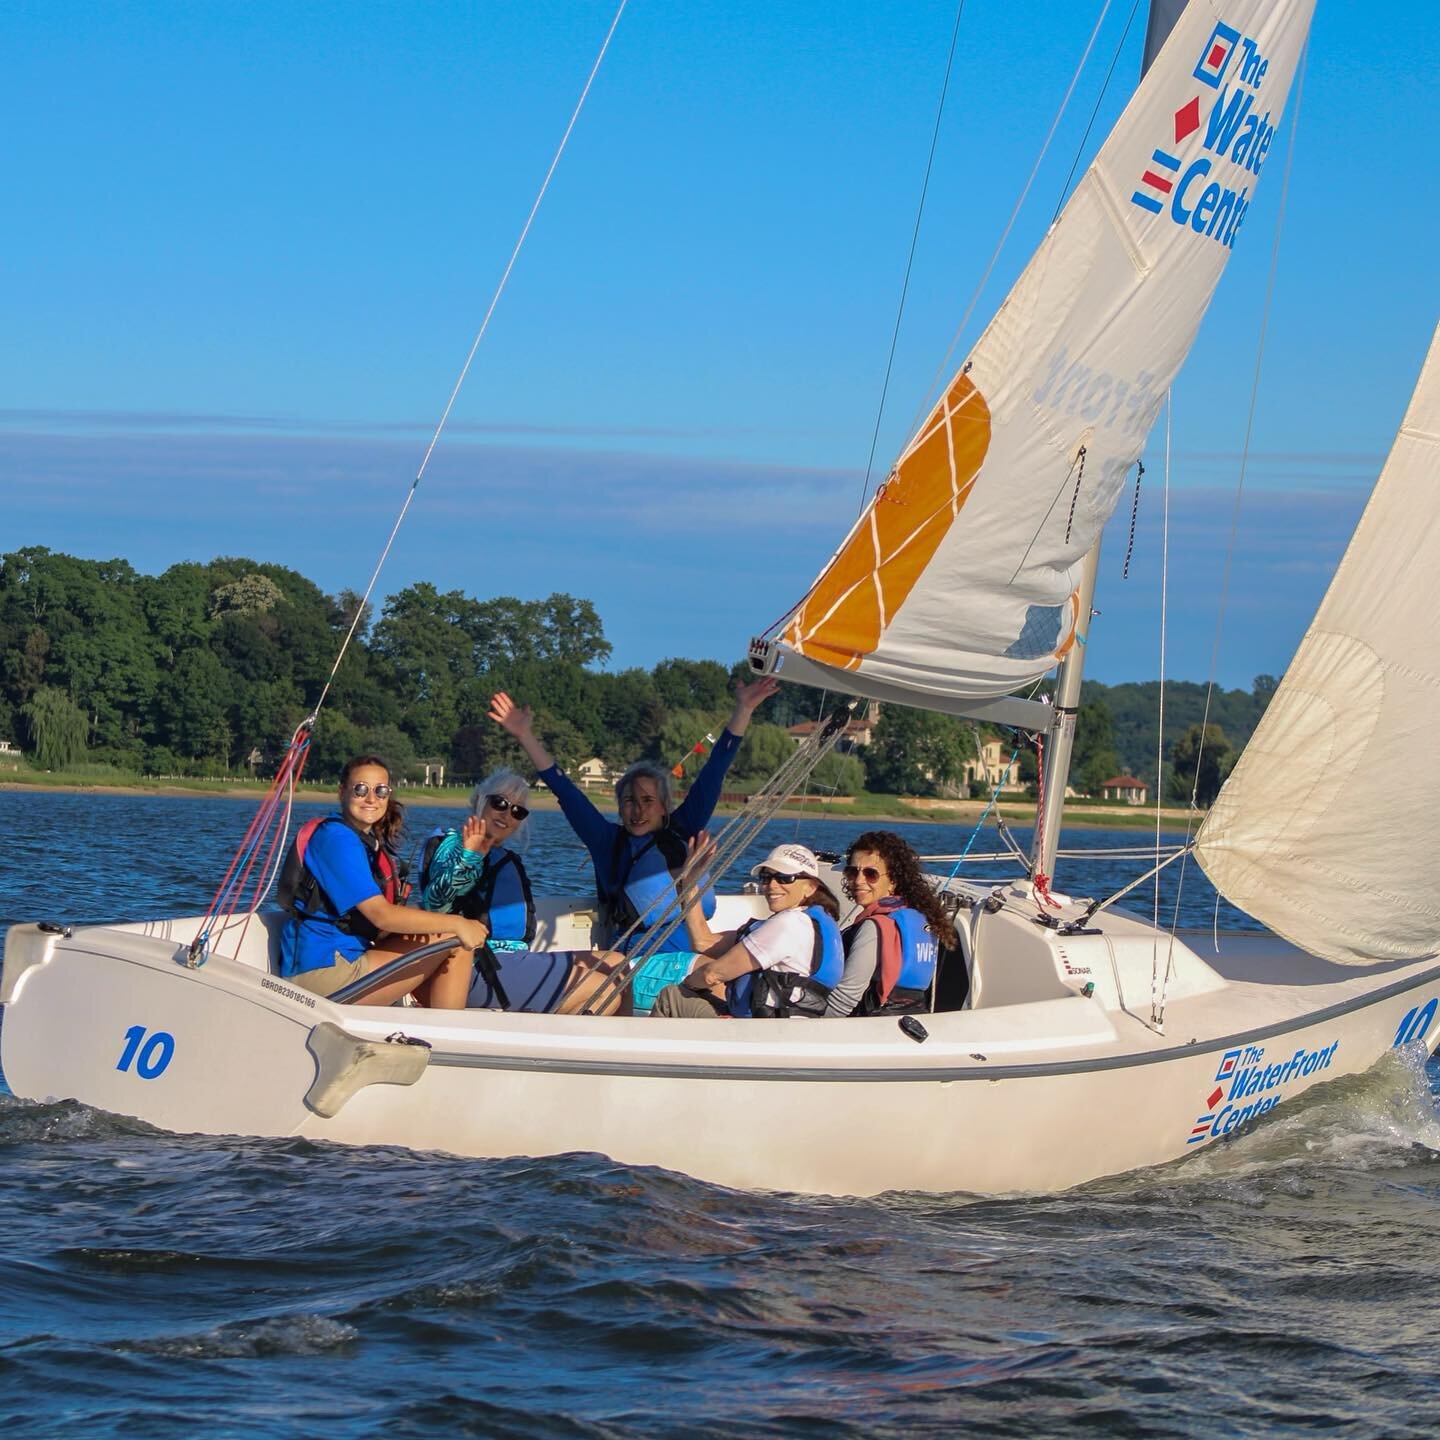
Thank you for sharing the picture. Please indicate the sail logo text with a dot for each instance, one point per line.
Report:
(1243, 1076)
(1235, 134)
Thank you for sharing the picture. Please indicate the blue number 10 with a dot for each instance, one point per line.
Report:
(1414, 1025)
(156, 1054)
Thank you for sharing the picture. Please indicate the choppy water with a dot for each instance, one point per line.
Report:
(1282, 1283)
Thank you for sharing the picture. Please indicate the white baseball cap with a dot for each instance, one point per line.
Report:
(790, 860)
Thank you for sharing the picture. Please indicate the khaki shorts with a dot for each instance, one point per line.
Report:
(327, 979)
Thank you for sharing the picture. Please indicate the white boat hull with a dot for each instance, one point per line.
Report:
(1017, 1095)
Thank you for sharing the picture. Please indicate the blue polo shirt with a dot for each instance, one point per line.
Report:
(337, 858)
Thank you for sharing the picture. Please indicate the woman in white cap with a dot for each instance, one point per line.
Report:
(784, 965)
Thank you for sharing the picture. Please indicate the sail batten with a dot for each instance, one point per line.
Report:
(1322, 831)
(961, 576)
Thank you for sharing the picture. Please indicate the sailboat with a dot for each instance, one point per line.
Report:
(1092, 1043)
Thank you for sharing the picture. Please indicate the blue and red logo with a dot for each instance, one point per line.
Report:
(1215, 58)
(1235, 134)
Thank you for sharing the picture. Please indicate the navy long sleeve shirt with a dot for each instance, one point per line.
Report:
(598, 834)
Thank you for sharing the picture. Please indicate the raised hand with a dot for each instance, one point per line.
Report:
(473, 836)
(519, 721)
(747, 697)
(755, 692)
(510, 717)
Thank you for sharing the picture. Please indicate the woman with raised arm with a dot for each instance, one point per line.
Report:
(340, 888)
(638, 860)
(892, 945)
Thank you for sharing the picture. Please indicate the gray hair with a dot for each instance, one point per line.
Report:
(516, 789)
(647, 770)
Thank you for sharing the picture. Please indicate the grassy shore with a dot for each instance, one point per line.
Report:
(108, 780)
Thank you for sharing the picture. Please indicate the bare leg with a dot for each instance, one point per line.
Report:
(585, 982)
(449, 986)
(437, 980)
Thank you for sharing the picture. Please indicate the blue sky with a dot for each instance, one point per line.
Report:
(250, 244)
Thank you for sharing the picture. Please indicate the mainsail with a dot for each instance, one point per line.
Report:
(959, 581)
(1323, 829)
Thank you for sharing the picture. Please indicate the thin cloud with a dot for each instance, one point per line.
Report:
(54, 421)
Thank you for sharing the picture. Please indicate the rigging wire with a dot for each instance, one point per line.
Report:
(229, 897)
(730, 843)
(470, 357)
(928, 402)
(1099, 100)
(910, 258)
(943, 368)
(1155, 1007)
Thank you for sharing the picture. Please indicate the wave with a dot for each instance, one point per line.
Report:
(30, 1122)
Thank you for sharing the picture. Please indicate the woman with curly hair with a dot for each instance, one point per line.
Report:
(892, 946)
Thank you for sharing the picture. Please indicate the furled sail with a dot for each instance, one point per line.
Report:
(1323, 829)
(959, 580)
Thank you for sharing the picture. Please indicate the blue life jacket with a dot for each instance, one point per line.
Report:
(766, 994)
(908, 955)
(501, 896)
(303, 898)
(642, 883)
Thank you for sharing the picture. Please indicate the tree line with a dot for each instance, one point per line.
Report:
(213, 666)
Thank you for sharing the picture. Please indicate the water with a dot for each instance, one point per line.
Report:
(1283, 1283)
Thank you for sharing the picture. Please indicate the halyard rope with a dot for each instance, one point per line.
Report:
(474, 346)
(229, 893)
(943, 368)
(910, 259)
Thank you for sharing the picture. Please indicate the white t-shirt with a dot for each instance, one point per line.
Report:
(784, 942)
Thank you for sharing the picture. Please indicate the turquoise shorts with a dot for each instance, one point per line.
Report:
(667, 968)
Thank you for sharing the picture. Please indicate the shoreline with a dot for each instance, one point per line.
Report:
(924, 812)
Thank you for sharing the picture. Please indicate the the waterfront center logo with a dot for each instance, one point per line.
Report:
(1243, 1075)
(1235, 136)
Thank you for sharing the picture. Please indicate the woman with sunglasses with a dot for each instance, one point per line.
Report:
(340, 887)
(892, 945)
(638, 860)
(784, 965)
(476, 871)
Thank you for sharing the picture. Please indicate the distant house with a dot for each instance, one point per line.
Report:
(8, 750)
(859, 731)
(594, 772)
(434, 771)
(989, 767)
(1126, 788)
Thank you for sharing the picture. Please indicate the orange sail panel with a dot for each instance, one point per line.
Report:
(843, 617)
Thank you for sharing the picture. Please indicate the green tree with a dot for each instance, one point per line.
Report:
(193, 701)
(1206, 752)
(692, 684)
(252, 594)
(838, 775)
(57, 728)
(1094, 759)
(915, 752)
(763, 751)
(681, 731)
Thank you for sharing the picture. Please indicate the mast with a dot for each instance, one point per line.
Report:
(1060, 739)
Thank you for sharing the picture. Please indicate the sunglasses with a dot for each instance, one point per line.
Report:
(765, 876)
(500, 803)
(360, 790)
(854, 872)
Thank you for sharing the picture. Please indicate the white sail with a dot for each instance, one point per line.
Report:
(959, 581)
(1323, 829)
